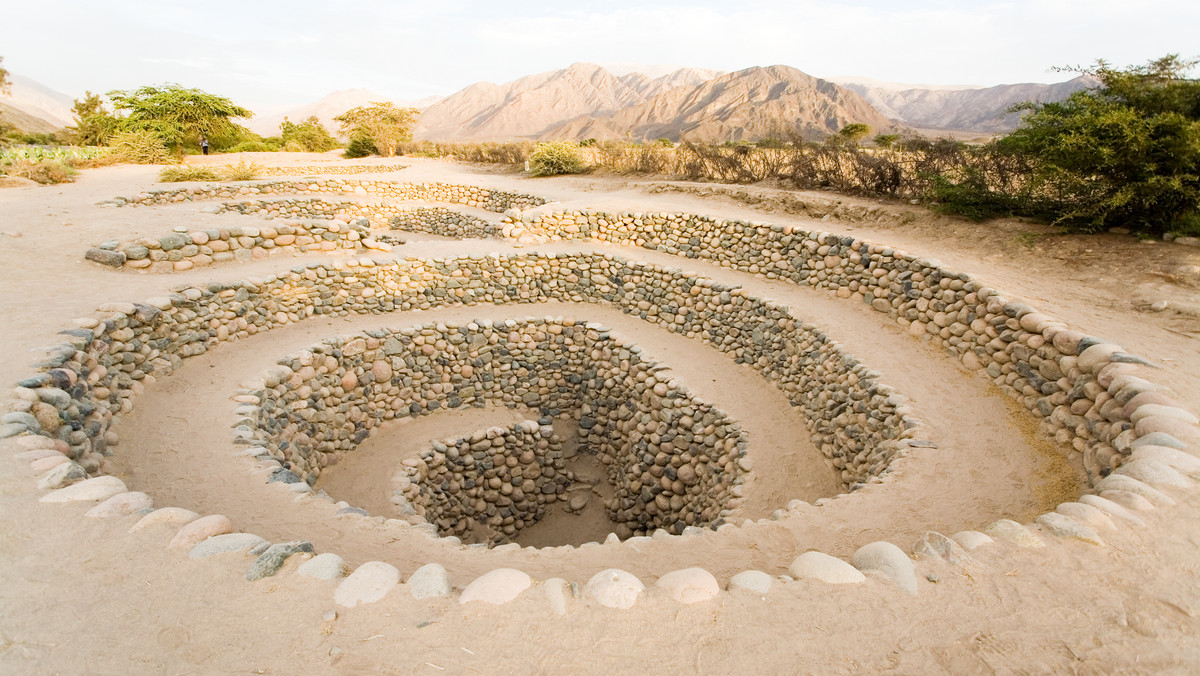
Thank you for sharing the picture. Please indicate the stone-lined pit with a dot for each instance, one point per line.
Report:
(671, 461)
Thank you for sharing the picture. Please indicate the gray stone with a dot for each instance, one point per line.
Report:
(429, 581)
(270, 561)
(62, 474)
(105, 257)
(890, 560)
(222, 544)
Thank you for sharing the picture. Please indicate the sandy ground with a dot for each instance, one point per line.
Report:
(83, 596)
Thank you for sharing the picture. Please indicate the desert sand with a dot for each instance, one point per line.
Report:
(82, 595)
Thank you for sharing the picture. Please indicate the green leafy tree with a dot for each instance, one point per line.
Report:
(853, 133)
(177, 115)
(886, 140)
(94, 124)
(310, 134)
(383, 123)
(1124, 154)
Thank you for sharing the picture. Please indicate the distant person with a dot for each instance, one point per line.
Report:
(204, 144)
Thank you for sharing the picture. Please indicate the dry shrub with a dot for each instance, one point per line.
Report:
(139, 147)
(46, 172)
(242, 171)
(187, 172)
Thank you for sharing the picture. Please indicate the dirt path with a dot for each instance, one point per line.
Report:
(80, 595)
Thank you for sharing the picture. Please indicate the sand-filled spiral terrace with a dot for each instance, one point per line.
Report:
(716, 409)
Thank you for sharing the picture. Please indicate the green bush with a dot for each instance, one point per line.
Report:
(310, 136)
(361, 146)
(556, 157)
(242, 171)
(587, 143)
(139, 147)
(187, 172)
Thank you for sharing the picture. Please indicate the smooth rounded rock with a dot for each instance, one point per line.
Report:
(614, 588)
(48, 462)
(99, 488)
(121, 504)
(1183, 462)
(429, 581)
(1130, 501)
(971, 539)
(367, 584)
(1007, 529)
(223, 544)
(199, 530)
(890, 560)
(1066, 527)
(326, 566)
(166, 515)
(1148, 410)
(496, 587)
(1111, 508)
(1086, 514)
(752, 581)
(1154, 472)
(1128, 484)
(820, 566)
(689, 585)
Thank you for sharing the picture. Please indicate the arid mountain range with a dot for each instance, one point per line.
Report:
(586, 100)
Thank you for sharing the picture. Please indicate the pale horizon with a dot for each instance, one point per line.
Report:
(275, 55)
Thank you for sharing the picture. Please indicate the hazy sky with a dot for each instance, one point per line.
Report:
(267, 54)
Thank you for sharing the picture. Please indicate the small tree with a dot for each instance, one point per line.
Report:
(886, 140)
(853, 133)
(310, 134)
(382, 122)
(178, 115)
(556, 157)
(1124, 154)
(94, 125)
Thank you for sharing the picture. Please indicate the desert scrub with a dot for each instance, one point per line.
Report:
(50, 165)
(139, 147)
(556, 157)
(185, 172)
(46, 172)
(242, 171)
